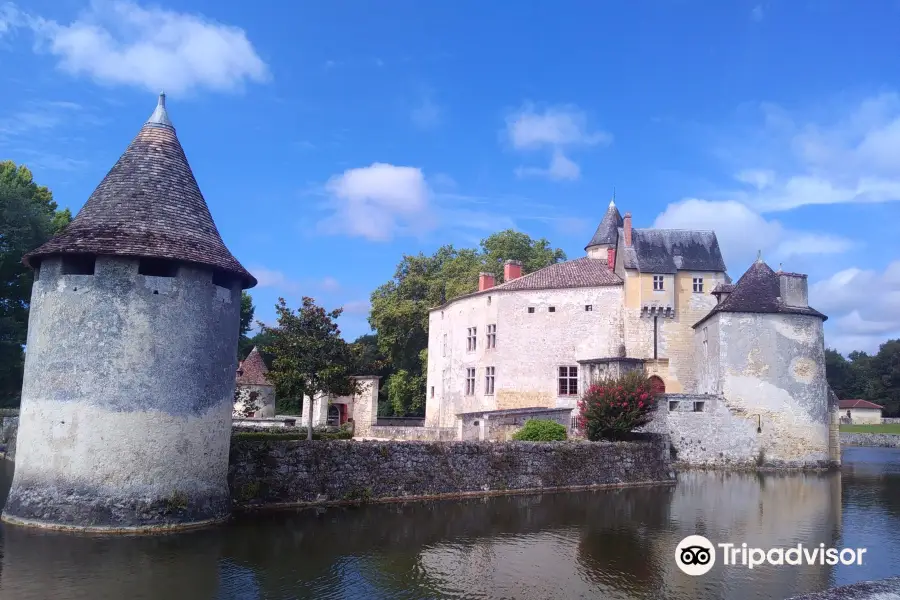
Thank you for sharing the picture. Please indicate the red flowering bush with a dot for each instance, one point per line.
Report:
(613, 408)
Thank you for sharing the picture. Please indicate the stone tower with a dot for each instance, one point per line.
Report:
(125, 419)
(603, 244)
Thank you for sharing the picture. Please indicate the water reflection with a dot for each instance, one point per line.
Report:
(609, 544)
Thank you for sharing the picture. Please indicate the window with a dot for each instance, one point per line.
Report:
(698, 285)
(470, 382)
(492, 336)
(221, 279)
(673, 405)
(698, 406)
(568, 381)
(432, 391)
(657, 283)
(472, 340)
(552, 309)
(78, 264)
(705, 339)
(489, 381)
(588, 307)
(530, 309)
(156, 267)
(489, 300)
(444, 347)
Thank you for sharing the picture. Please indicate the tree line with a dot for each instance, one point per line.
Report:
(305, 350)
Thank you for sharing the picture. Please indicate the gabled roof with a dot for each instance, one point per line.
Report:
(844, 404)
(252, 371)
(759, 291)
(672, 250)
(608, 231)
(581, 272)
(148, 205)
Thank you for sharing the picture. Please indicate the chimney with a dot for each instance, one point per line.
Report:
(512, 269)
(611, 258)
(485, 281)
(793, 289)
(627, 226)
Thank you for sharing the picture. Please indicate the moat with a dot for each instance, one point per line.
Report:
(604, 544)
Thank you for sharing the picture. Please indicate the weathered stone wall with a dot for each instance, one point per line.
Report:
(393, 432)
(530, 347)
(340, 471)
(127, 398)
(886, 420)
(9, 427)
(264, 405)
(499, 426)
(879, 440)
(771, 375)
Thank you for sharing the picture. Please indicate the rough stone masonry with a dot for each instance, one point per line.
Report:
(300, 472)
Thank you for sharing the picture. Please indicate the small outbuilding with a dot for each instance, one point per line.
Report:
(860, 412)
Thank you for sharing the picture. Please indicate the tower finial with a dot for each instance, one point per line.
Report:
(612, 202)
(759, 256)
(160, 116)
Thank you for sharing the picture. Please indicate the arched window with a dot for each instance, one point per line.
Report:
(334, 415)
(657, 385)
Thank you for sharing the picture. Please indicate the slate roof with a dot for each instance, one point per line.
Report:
(672, 250)
(608, 230)
(723, 288)
(581, 272)
(252, 371)
(148, 205)
(844, 404)
(759, 291)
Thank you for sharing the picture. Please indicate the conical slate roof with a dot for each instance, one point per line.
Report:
(252, 371)
(608, 230)
(759, 291)
(148, 205)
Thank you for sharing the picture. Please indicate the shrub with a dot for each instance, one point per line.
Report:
(536, 430)
(613, 408)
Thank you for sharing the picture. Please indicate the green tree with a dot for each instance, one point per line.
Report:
(309, 357)
(28, 218)
(400, 307)
(245, 343)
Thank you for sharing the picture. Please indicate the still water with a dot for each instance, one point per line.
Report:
(604, 544)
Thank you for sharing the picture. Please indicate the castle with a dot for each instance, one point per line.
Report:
(125, 419)
(741, 364)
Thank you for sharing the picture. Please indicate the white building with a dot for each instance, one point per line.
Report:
(860, 412)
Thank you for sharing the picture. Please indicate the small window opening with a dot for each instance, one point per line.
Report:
(552, 309)
(476, 423)
(156, 267)
(78, 264)
(530, 309)
(221, 279)
(432, 391)
(673, 405)
(37, 271)
(588, 307)
(657, 283)
(698, 406)
(489, 300)
(698, 285)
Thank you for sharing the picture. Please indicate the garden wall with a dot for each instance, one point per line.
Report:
(878, 440)
(299, 472)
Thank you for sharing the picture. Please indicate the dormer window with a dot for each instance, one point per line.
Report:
(658, 283)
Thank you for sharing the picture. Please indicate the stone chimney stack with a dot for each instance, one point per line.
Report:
(794, 289)
(485, 281)
(512, 269)
(627, 226)
(611, 258)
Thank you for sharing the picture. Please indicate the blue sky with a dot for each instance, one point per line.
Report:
(330, 138)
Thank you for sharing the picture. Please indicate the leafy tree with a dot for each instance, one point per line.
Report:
(875, 378)
(245, 344)
(28, 218)
(401, 306)
(309, 357)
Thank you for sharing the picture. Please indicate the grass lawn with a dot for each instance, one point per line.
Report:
(883, 428)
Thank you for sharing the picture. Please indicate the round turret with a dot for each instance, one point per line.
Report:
(125, 420)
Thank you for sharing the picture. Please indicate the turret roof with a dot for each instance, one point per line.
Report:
(608, 230)
(252, 371)
(148, 205)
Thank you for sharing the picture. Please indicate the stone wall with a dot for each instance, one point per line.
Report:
(879, 440)
(500, 425)
(393, 432)
(9, 427)
(889, 421)
(300, 472)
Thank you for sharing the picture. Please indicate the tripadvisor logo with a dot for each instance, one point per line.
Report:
(695, 555)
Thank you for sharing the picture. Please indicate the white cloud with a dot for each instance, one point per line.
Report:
(357, 307)
(330, 284)
(743, 232)
(377, 201)
(557, 128)
(791, 162)
(863, 304)
(561, 167)
(757, 13)
(122, 43)
(268, 278)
